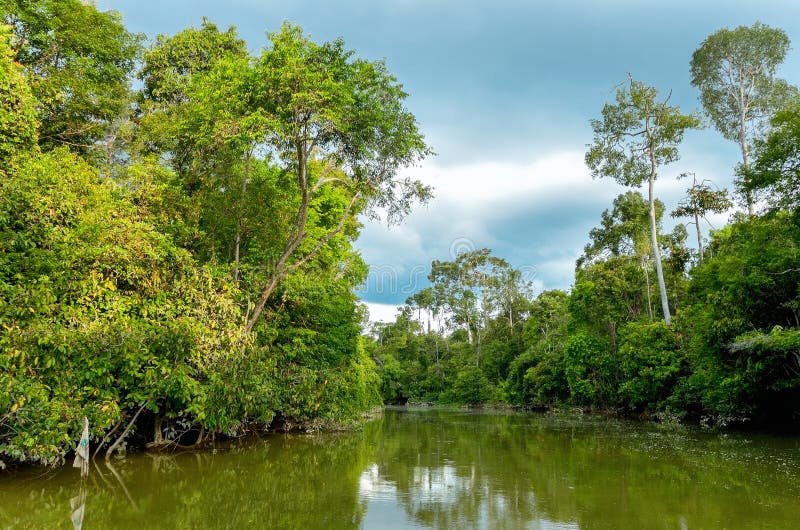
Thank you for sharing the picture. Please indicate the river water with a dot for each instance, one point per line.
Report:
(435, 468)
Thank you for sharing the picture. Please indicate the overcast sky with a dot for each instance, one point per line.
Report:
(503, 91)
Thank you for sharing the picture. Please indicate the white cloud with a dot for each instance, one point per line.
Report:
(381, 312)
(533, 214)
(471, 199)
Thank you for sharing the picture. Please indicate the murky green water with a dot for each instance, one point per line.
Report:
(437, 469)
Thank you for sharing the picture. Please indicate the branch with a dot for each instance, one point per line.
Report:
(105, 438)
(327, 237)
(639, 133)
(322, 180)
(787, 271)
(125, 432)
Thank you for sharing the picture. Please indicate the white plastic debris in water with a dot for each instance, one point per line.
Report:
(82, 451)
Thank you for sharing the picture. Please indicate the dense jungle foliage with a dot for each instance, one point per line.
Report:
(650, 327)
(176, 262)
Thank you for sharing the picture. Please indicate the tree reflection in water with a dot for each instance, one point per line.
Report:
(437, 469)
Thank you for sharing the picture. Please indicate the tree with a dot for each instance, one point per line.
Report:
(169, 66)
(701, 200)
(324, 104)
(735, 73)
(468, 283)
(624, 231)
(77, 60)
(777, 163)
(631, 141)
(170, 123)
(18, 123)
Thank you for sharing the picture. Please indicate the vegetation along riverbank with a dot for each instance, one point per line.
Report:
(177, 261)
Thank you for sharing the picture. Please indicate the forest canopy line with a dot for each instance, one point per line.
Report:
(177, 260)
(723, 345)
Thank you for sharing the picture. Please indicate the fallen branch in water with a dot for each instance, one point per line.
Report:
(125, 432)
(106, 438)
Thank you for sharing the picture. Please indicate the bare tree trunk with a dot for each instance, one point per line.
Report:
(478, 348)
(647, 284)
(662, 288)
(262, 300)
(699, 237)
(745, 152)
(297, 236)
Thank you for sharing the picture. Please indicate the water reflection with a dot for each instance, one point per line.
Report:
(456, 469)
(436, 469)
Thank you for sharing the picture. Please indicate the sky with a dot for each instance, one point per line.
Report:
(504, 92)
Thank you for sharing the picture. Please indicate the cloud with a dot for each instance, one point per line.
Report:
(532, 214)
(537, 215)
(381, 312)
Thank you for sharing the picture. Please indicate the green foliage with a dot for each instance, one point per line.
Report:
(471, 387)
(171, 63)
(591, 371)
(776, 169)
(100, 312)
(637, 127)
(609, 294)
(633, 139)
(18, 125)
(623, 231)
(752, 283)
(734, 69)
(77, 60)
(601, 345)
(128, 289)
(650, 362)
(735, 73)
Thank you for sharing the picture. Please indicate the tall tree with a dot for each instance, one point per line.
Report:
(78, 60)
(474, 290)
(701, 199)
(169, 121)
(624, 231)
(633, 139)
(18, 123)
(324, 104)
(735, 73)
(777, 163)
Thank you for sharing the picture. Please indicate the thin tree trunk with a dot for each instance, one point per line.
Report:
(106, 438)
(298, 234)
(647, 283)
(478, 348)
(662, 288)
(745, 152)
(699, 237)
(283, 268)
(262, 300)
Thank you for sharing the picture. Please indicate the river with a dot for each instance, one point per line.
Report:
(435, 468)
